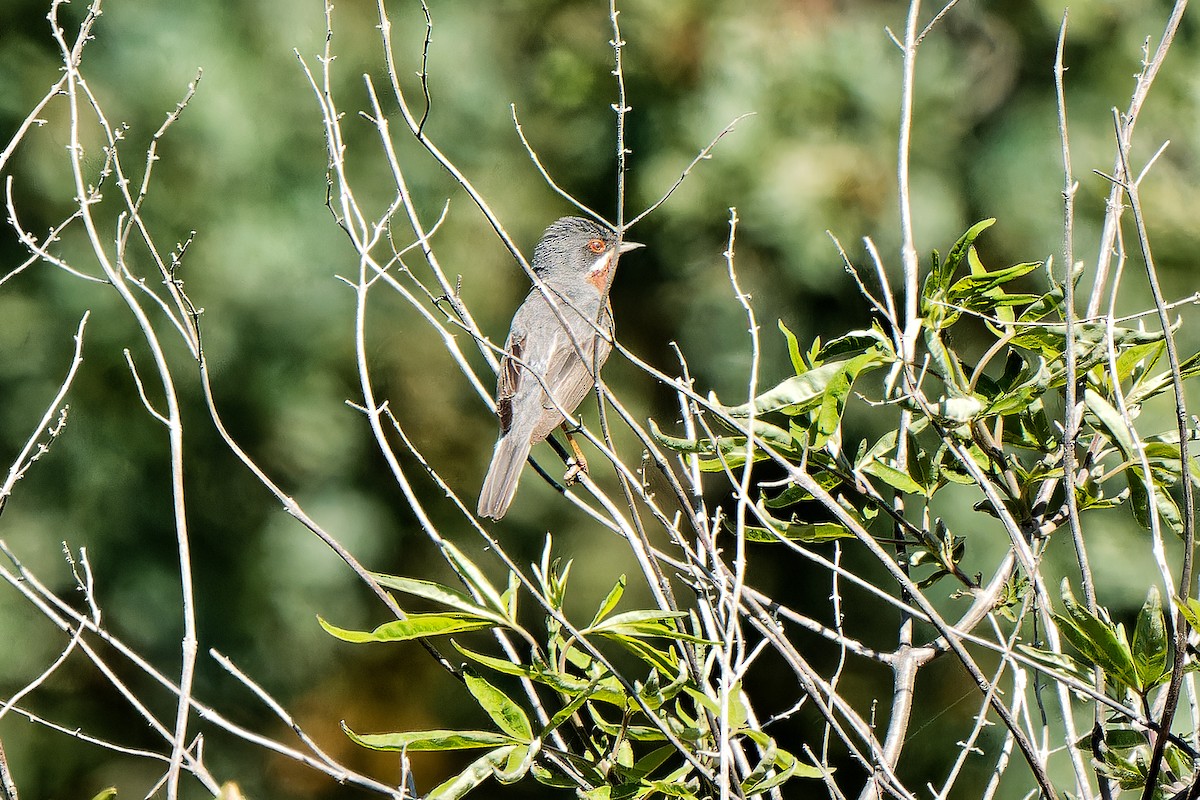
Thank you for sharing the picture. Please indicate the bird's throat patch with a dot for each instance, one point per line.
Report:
(597, 275)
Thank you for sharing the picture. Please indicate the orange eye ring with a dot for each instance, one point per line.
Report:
(596, 246)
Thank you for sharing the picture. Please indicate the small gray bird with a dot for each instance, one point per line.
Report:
(548, 367)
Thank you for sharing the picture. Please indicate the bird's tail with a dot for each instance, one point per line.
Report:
(501, 482)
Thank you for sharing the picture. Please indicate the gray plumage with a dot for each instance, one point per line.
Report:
(548, 366)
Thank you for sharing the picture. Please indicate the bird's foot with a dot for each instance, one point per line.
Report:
(576, 469)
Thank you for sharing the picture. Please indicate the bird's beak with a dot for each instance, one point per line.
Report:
(627, 246)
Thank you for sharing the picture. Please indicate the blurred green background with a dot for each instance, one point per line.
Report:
(245, 169)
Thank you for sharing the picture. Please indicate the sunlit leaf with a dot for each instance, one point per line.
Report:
(440, 594)
(893, 477)
(508, 716)
(415, 626)
(476, 773)
(804, 392)
(1150, 643)
(610, 602)
(1150, 387)
(1058, 662)
(1097, 640)
(837, 391)
(419, 741)
(1190, 610)
(607, 689)
(793, 350)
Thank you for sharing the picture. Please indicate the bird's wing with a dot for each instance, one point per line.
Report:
(509, 378)
(539, 343)
(568, 377)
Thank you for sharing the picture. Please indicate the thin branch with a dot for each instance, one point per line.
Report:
(703, 155)
(1112, 217)
(33, 449)
(1171, 699)
(537, 162)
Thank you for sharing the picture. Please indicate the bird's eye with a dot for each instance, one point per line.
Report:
(596, 246)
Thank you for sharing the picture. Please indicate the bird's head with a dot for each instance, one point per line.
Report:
(574, 248)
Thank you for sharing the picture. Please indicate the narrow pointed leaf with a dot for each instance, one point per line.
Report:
(416, 626)
(508, 716)
(438, 594)
(793, 350)
(610, 602)
(893, 477)
(1150, 646)
(474, 577)
(423, 741)
(472, 776)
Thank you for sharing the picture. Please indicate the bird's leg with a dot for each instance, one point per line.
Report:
(577, 465)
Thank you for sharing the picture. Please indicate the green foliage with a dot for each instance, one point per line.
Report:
(970, 424)
(1128, 668)
(605, 736)
(1136, 667)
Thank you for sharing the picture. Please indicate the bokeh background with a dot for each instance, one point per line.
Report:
(245, 169)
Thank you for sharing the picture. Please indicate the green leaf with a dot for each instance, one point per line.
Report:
(732, 448)
(1150, 644)
(665, 661)
(1048, 305)
(474, 577)
(607, 690)
(565, 713)
(1164, 504)
(784, 760)
(1108, 418)
(1111, 421)
(1029, 383)
(946, 366)
(517, 765)
(651, 761)
(837, 390)
(804, 392)
(510, 596)
(1190, 611)
(1098, 641)
(1162, 382)
(959, 251)
(638, 733)
(472, 776)
(441, 594)
(1135, 361)
(670, 788)
(546, 776)
(797, 494)
(1091, 344)
(795, 530)
(416, 626)
(424, 741)
(893, 477)
(856, 343)
(610, 602)
(107, 794)
(979, 283)
(737, 712)
(937, 283)
(649, 622)
(793, 350)
(508, 716)
(1058, 663)
(939, 277)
